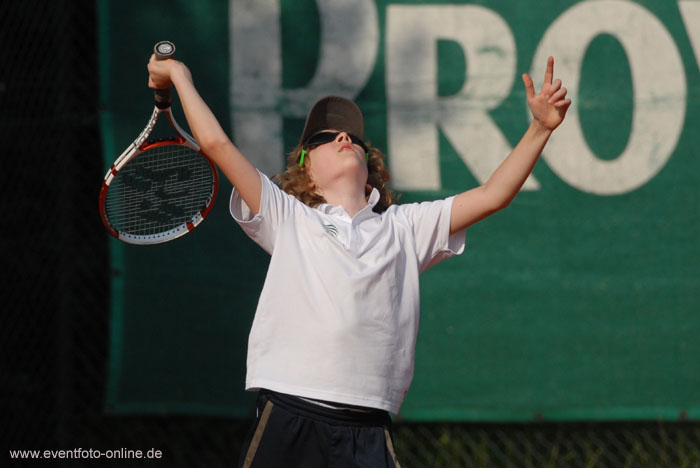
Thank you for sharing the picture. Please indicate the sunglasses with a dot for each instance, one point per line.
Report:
(322, 138)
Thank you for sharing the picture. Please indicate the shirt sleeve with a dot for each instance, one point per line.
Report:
(275, 207)
(430, 223)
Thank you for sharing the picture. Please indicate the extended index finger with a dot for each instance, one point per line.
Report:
(549, 73)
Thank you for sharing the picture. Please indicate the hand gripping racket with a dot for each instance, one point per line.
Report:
(159, 188)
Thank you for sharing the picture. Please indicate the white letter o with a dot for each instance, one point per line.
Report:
(659, 86)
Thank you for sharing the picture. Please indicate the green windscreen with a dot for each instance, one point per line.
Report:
(579, 301)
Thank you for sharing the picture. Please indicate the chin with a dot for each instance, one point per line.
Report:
(360, 167)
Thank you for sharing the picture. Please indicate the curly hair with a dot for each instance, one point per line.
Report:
(295, 180)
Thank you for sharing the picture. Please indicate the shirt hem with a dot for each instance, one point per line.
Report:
(256, 384)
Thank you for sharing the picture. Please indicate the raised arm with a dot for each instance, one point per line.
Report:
(548, 109)
(207, 130)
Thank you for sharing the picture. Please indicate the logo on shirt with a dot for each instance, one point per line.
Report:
(331, 229)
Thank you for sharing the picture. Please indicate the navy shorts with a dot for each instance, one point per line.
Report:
(290, 432)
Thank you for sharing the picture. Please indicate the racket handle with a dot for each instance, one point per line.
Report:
(163, 51)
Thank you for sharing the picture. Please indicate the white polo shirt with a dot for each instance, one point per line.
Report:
(338, 315)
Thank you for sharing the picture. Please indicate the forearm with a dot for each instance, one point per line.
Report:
(203, 123)
(213, 140)
(509, 177)
(548, 108)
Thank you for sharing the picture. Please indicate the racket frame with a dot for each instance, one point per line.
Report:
(140, 145)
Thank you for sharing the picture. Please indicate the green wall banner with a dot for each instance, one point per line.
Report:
(579, 301)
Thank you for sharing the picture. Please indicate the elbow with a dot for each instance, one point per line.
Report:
(213, 144)
(494, 198)
(501, 203)
(497, 202)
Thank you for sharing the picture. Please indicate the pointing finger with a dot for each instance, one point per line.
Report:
(550, 70)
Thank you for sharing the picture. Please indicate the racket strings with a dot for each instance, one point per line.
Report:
(159, 190)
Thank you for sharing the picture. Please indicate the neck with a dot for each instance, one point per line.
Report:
(349, 196)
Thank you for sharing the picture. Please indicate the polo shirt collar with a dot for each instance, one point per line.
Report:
(364, 212)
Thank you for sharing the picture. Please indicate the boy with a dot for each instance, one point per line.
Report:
(331, 349)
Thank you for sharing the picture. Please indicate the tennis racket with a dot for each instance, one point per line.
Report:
(159, 188)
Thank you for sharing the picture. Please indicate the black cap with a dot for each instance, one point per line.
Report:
(337, 113)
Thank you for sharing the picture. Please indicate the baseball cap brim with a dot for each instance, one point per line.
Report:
(336, 113)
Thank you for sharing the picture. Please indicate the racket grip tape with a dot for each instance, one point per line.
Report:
(163, 50)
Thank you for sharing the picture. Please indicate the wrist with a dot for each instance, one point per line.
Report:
(538, 128)
(179, 72)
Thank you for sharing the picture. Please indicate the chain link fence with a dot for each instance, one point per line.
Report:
(546, 445)
(53, 323)
(55, 320)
